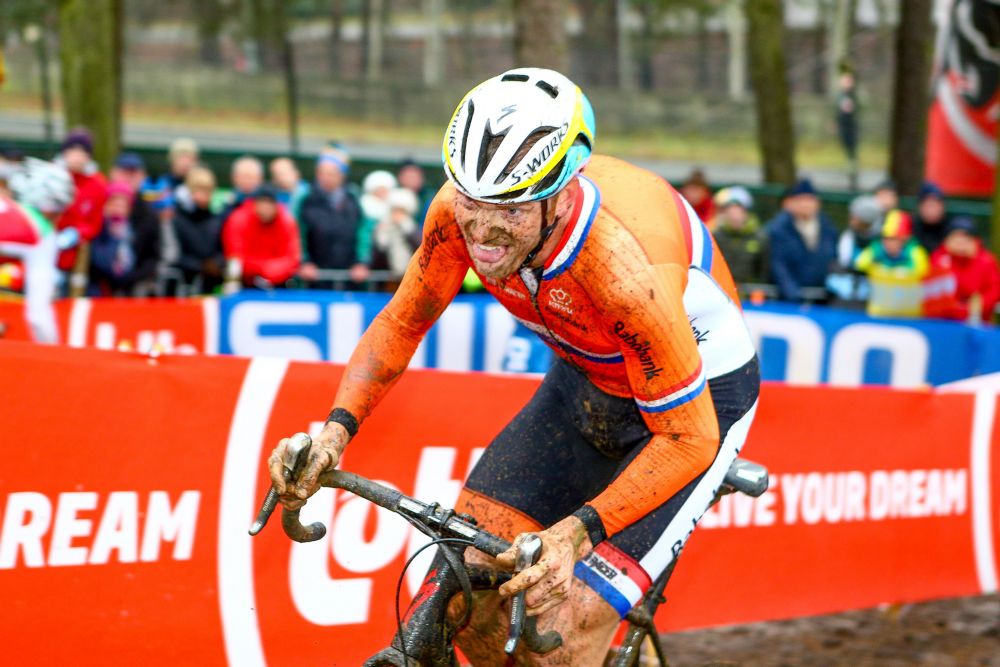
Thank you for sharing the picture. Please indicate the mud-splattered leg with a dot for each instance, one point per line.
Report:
(586, 622)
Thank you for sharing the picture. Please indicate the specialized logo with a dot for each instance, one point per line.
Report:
(507, 110)
(641, 348)
(540, 158)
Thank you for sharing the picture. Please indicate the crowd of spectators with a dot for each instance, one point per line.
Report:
(892, 262)
(133, 233)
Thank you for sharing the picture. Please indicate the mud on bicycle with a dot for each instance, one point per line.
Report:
(425, 636)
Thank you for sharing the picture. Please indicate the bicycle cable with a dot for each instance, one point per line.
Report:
(399, 586)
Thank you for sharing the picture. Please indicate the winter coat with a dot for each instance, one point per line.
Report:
(978, 274)
(269, 250)
(746, 250)
(85, 214)
(199, 237)
(793, 264)
(330, 229)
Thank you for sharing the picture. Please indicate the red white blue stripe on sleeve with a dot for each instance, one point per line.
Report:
(701, 238)
(683, 392)
(614, 576)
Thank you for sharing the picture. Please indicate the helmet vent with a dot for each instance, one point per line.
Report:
(515, 77)
(465, 133)
(491, 142)
(548, 88)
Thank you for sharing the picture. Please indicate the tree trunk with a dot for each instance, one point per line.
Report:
(90, 58)
(775, 133)
(600, 39)
(540, 38)
(911, 95)
(626, 67)
(840, 43)
(736, 31)
(373, 44)
(336, 38)
(210, 16)
(433, 42)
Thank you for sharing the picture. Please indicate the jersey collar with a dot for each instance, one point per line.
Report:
(585, 209)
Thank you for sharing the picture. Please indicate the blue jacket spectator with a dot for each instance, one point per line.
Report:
(803, 243)
(182, 157)
(329, 220)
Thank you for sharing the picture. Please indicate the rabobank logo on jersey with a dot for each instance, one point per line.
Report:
(796, 344)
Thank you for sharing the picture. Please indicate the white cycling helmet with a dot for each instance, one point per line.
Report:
(45, 186)
(518, 137)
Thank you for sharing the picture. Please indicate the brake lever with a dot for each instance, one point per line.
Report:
(528, 553)
(293, 462)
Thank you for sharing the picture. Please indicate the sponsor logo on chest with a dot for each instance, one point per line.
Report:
(560, 300)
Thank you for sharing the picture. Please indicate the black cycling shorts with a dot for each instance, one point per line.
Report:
(572, 440)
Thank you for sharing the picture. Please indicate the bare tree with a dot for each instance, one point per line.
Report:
(775, 133)
(90, 58)
(911, 95)
(540, 38)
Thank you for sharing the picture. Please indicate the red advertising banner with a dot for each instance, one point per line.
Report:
(962, 127)
(129, 483)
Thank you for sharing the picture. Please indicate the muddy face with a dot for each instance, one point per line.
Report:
(498, 236)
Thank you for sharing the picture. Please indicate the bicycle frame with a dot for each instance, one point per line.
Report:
(426, 634)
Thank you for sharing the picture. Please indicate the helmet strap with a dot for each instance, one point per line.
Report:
(548, 226)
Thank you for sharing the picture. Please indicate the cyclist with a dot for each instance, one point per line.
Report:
(624, 445)
(41, 191)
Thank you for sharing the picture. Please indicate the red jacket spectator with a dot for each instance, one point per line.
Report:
(264, 236)
(86, 213)
(975, 269)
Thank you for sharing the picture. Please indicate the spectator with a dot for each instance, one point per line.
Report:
(130, 168)
(199, 231)
(247, 175)
(397, 235)
(263, 239)
(375, 191)
(695, 189)
(864, 216)
(122, 255)
(182, 156)
(739, 235)
(803, 242)
(292, 189)
(329, 220)
(931, 220)
(895, 265)
(847, 121)
(411, 176)
(975, 269)
(886, 195)
(85, 215)
(863, 225)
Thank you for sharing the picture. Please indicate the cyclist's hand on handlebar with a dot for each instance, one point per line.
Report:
(323, 456)
(547, 582)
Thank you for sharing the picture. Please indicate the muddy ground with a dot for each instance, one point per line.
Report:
(963, 632)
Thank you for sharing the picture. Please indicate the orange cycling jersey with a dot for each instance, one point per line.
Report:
(636, 295)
